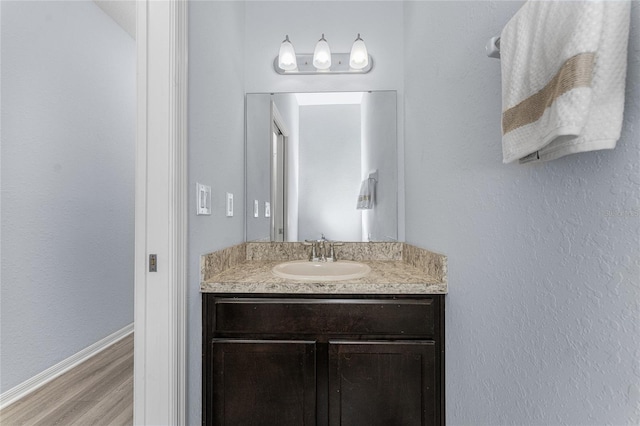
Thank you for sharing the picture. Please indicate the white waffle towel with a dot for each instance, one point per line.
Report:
(366, 196)
(563, 78)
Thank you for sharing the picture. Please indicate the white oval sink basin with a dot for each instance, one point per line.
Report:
(321, 271)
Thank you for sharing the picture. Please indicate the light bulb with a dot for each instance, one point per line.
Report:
(359, 57)
(322, 55)
(287, 56)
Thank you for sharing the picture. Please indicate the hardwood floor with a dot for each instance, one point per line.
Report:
(97, 392)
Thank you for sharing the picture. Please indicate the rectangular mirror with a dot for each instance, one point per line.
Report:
(321, 164)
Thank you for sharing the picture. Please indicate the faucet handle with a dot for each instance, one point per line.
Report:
(313, 255)
(332, 254)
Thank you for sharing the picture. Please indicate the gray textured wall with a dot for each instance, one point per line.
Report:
(68, 148)
(543, 323)
(542, 315)
(216, 153)
(379, 22)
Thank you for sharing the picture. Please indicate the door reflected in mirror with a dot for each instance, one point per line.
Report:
(321, 163)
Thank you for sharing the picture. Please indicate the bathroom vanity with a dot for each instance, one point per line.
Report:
(366, 351)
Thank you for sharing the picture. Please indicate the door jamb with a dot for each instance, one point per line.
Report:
(161, 213)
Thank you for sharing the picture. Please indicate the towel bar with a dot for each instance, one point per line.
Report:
(493, 47)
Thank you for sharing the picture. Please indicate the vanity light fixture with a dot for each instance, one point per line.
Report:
(322, 61)
(359, 57)
(287, 56)
(322, 55)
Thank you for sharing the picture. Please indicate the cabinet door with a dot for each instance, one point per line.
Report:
(383, 383)
(263, 382)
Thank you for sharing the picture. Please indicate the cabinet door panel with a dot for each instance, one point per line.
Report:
(264, 382)
(383, 383)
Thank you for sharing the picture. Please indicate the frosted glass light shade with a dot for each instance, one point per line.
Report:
(322, 55)
(359, 57)
(287, 56)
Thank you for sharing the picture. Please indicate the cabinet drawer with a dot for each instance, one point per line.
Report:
(413, 318)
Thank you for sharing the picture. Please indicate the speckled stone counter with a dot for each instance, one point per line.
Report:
(396, 268)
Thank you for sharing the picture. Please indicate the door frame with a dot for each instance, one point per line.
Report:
(161, 213)
(278, 125)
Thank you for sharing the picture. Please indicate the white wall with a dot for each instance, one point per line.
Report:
(379, 153)
(329, 135)
(68, 148)
(216, 153)
(543, 323)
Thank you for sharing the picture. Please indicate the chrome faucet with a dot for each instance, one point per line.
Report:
(319, 250)
(322, 246)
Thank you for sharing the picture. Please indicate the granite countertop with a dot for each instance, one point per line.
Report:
(386, 277)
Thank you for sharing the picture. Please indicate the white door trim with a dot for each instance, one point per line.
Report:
(279, 126)
(161, 213)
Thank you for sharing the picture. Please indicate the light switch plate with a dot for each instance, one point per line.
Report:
(267, 209)
(256, 208)
(203, 199)
(229, 204)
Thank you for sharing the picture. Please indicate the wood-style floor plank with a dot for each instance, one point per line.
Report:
(115, 409)
(97, 392)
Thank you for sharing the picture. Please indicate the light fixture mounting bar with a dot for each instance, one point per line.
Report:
(339, 65)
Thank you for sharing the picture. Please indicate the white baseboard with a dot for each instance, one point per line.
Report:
(28, 386)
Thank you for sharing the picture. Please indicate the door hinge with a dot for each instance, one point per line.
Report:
(153, 263)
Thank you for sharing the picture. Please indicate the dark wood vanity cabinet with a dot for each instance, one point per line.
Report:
(322, 360)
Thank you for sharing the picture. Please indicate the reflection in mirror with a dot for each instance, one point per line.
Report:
(321, 163)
